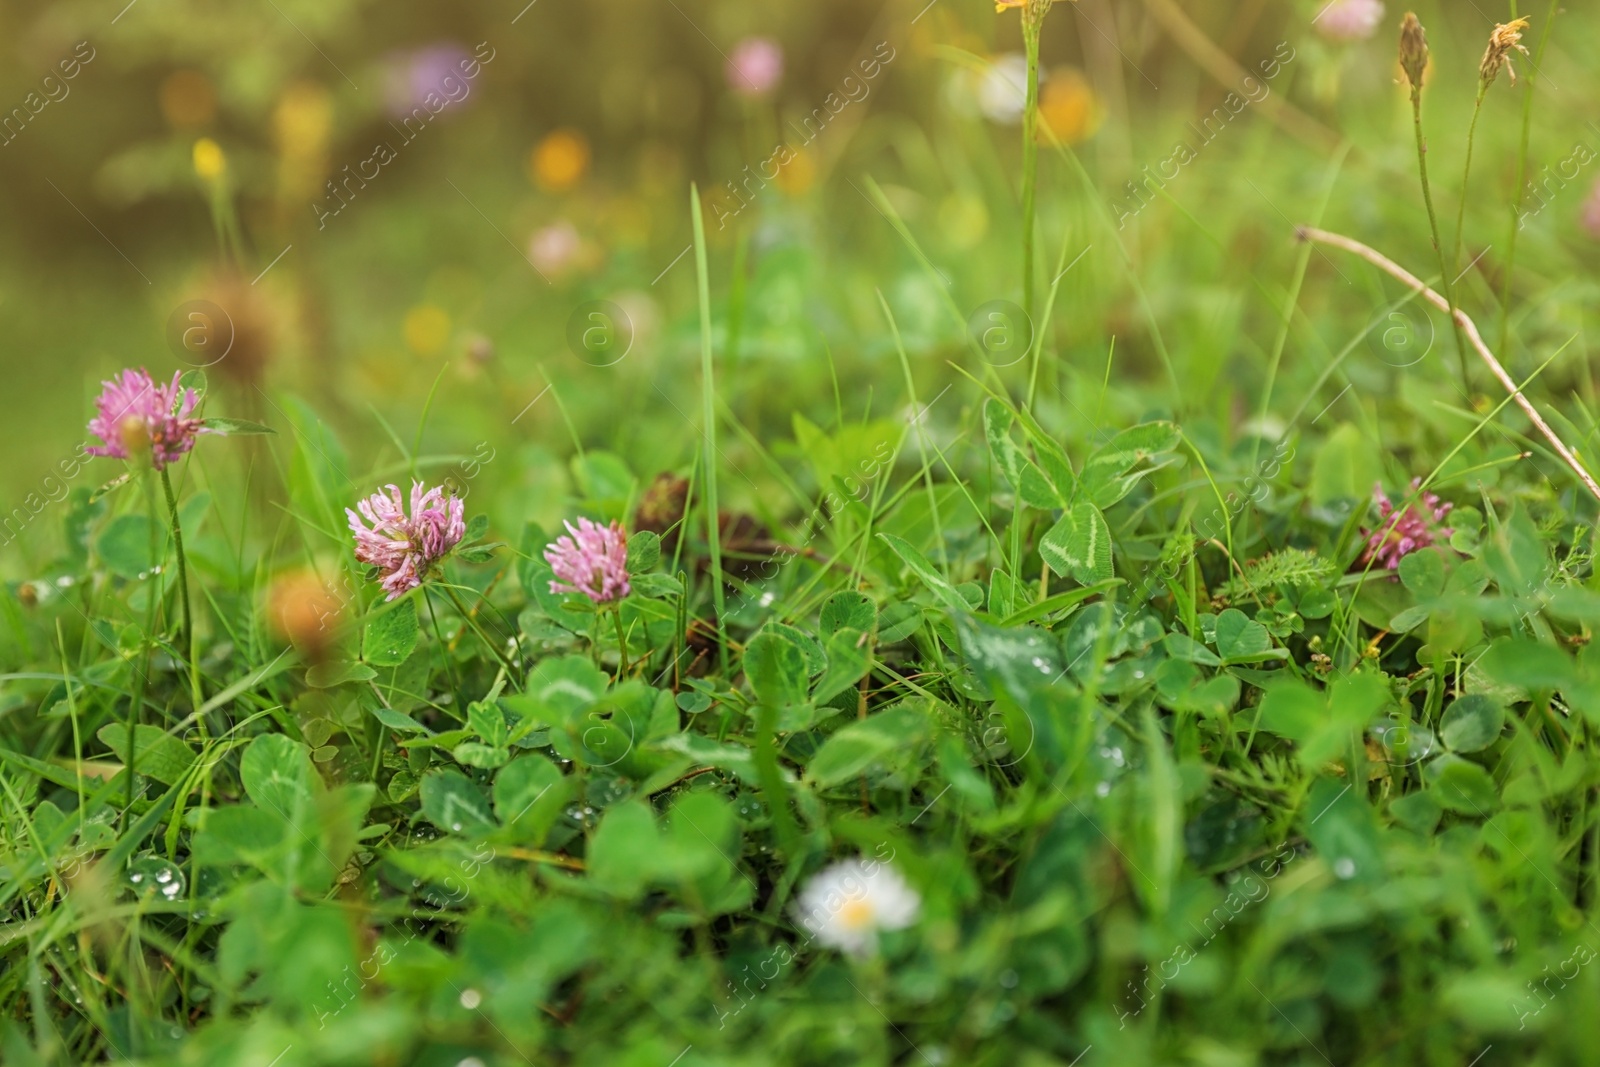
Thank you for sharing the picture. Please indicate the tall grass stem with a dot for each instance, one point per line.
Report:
(708, 409)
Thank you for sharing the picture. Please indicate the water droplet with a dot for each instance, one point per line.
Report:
(1103, 789)
(471, 998)
(1344, 867)
(456, 827)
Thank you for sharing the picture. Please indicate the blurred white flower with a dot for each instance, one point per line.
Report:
(643, 315)
(1003, 89)
(1349, 20)
(845, 905)
(555, 248)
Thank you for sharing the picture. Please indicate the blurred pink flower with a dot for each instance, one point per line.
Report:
(135, 415)
(756, 66)
(555, 248)
(406, 549)
(1349, 20)
(592, 561)
(436, 70)
(1590, 213)
(1400, 534)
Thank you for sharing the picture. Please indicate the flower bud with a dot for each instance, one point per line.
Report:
(1413, 50)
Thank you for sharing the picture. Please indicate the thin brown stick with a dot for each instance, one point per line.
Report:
(1468, 327)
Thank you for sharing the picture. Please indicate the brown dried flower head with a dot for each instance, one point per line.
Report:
(1413, 50)
(1505, 38)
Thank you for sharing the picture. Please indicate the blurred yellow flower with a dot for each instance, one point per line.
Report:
(301, 125)
(188, 100)
(1068, 108)
(302, 120)
(797, 175)
(427, 328)
(559, 161)
(209, 162)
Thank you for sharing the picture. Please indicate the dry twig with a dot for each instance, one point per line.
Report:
(1468, 327)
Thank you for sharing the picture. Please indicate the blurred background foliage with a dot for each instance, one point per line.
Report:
(560, 178)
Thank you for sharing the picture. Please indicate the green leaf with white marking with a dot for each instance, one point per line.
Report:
(1079, 544)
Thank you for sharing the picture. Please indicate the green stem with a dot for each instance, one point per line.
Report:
(622, 642)
(708, 399)
(1433, 225)
(183, 584)
(1466, 177)
(1522, 176)
(1032, 20)
(771, 777)
(499, 653)
(141, 680)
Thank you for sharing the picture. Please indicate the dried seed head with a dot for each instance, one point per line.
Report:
(1502, 41)
(1413, 50)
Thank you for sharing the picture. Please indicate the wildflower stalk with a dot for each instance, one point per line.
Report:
(1032, 21)
(183, 586)
(1433, 226)
(1414, 60)
(1506, 38)
(1466, 178)
(1522, 177)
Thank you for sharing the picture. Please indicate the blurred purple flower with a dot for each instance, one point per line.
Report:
(135, 415)
(406, 549)
(435, 69)
(1401, 533)
(555, 248)
(1349, 20)
(592, 561)
(756, 66)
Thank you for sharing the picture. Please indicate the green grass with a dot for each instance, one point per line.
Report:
(1079, 639)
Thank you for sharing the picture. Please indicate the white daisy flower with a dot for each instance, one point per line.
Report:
(845, 905)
